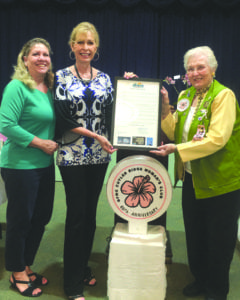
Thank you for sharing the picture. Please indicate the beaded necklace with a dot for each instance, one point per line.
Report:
(200, 95)
(84, 80)
(201, 92)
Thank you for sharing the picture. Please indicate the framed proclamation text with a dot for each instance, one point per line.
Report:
(136, 119)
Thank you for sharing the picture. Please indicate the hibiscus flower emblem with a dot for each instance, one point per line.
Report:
(139, 191)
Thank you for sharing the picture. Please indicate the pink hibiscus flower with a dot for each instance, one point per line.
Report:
(139, 191)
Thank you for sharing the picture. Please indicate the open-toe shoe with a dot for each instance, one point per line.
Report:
(38, 280)
(29, 291)
(90, 279)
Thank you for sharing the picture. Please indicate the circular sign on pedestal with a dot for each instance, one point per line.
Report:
(139, 188)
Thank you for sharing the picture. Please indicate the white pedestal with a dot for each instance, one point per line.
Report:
(137, 268)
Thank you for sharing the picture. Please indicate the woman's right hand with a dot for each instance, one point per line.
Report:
(165, 150)
(105, 144)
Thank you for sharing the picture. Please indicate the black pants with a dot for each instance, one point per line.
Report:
(211, 227)
(83, 185)
(30, 201)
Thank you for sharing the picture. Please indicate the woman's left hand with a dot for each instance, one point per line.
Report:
(165, 150)
(105, 144)
(47, 146)
(129, 75)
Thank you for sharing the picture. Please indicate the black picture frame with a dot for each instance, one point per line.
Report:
(147, 102)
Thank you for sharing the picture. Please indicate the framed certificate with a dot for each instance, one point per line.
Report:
(136, 119)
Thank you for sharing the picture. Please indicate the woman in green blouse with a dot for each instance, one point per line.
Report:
(27, 119)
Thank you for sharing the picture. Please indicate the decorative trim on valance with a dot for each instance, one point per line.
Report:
(132, 3)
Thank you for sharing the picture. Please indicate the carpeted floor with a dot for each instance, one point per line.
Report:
(49, 258)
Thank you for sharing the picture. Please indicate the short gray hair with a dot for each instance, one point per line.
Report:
(204, 50)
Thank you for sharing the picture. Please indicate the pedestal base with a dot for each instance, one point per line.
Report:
(137, 268)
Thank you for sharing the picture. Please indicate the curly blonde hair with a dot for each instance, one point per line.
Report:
(20, 70)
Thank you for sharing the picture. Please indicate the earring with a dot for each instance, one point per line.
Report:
(70, 55)
(97, 56)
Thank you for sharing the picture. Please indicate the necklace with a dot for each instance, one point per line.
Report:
(85, 80)
(200, 95)
(201, 92)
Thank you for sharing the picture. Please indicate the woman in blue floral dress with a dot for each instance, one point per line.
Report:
(83, 103)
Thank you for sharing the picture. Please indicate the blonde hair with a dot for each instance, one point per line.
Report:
(84, 27)
(20, 70)
(204, 50)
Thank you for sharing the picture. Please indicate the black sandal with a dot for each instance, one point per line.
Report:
(38, 279)
(88, 277)
(29, 291)
(76, 296)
